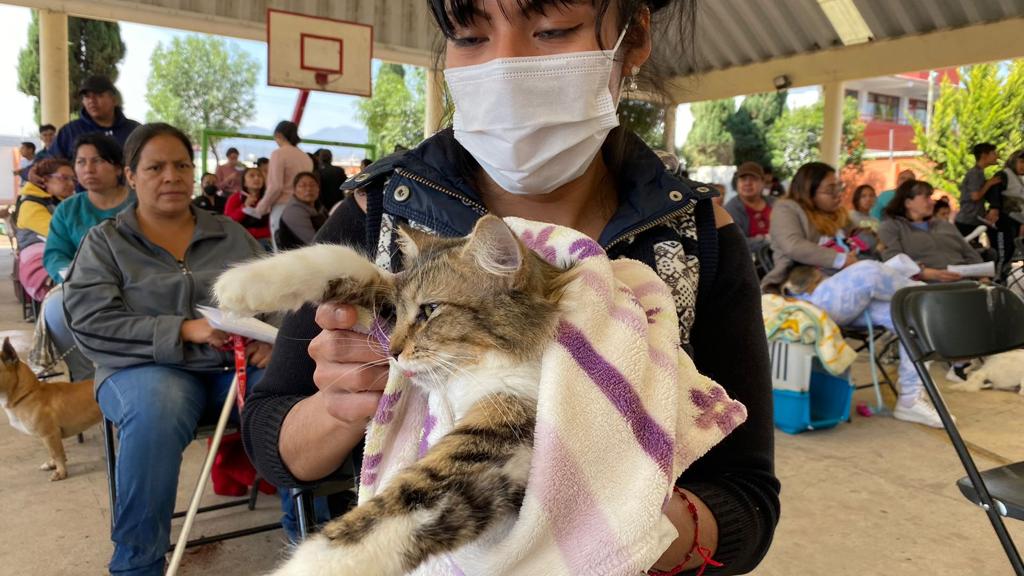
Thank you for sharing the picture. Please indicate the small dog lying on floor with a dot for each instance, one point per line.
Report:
(52, 411)
(1000, 372)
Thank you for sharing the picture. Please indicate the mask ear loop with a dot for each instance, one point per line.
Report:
(622, 77)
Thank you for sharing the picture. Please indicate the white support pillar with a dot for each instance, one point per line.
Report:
(668, 142)
(832, 132)
(435, 102)
(53, 67)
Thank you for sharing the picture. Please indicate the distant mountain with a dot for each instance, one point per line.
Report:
(251, 149)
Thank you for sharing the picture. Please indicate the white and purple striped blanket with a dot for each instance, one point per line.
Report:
(622, 411)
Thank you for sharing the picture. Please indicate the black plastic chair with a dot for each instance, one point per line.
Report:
(201, 432)
(959, 321)
(764, 260)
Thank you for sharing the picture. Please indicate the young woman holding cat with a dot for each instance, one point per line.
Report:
(535, 136)
(809, 227)
(130, 299)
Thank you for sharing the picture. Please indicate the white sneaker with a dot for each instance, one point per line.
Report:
(920, 412)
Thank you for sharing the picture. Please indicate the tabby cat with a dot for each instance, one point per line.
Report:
(472, 318)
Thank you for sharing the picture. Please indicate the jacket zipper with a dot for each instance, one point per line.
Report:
(190, 281)
(645, 227)
(482, 210)
(465, 200)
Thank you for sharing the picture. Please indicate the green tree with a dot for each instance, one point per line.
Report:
(795, 138)
(645, 118)
(94, 47)
(709, 142)
(198, 82)
(750, 124)
(987, 107)
(394, 116)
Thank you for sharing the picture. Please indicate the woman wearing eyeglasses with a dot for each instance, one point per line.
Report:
(810, 227)
(49, 181)
(99, 168)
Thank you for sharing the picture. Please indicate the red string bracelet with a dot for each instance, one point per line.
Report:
(238, 344)
(701, 551)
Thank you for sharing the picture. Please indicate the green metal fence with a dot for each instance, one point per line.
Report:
(207, 134)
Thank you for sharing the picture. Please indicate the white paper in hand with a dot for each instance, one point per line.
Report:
(983, 270)
(904, 265)
(243, 326)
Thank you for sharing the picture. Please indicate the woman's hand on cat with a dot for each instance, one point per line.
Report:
(351, 389)
(258, 354)
(199, 331)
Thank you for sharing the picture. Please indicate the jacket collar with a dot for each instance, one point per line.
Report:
(207, 224)
(119, 118)
(427, 186)
(30, 189)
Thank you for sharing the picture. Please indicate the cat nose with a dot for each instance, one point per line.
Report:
(395, 352)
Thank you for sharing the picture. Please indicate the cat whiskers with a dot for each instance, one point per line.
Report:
(450, 366)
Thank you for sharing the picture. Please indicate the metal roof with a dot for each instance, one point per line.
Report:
(740, 32)
(729, 33)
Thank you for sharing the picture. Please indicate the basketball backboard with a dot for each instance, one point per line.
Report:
(314, 53)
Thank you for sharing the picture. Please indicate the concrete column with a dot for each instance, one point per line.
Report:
(435, 102)
(668, 142)
(53, 67)
(832, 134)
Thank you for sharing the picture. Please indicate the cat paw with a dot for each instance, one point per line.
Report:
(58, 474)
(48, 465)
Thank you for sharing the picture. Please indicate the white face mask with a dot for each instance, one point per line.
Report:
(535, 123)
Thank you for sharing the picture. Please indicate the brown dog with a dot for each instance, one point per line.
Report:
(51, 411)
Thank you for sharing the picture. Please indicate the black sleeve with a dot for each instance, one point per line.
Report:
(289, 376)
(736, 479)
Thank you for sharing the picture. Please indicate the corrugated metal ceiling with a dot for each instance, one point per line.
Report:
(739, 32)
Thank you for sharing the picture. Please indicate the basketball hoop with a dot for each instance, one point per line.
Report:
(315, 53)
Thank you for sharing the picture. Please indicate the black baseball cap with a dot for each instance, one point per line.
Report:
(97, 84)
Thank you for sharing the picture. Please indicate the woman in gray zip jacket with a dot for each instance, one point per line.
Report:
(130, 300)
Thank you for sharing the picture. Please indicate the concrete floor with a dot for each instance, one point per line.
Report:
(875, 496)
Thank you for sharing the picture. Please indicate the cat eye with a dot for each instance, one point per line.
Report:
(426, 311)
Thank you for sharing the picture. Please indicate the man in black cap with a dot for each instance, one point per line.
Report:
(99, 113)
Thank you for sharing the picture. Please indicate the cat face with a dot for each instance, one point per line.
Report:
(461, 302)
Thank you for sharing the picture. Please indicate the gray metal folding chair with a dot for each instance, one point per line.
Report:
(959, 321)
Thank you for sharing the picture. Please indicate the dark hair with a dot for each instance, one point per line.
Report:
(767, 169)
(30, 145)
(677, 17)
(107, 148)
(807, 180)
(940, 204)
(45, 127)
(325, 155)
(207, 175)
(302, 175)
(1011, 162)
(45, 168)
(262, 160)
(246, 173)
(143, 134)
(365, 162)
(860, 192)
(289, 131)
(980, 150)
(231, 151)
(907, 191)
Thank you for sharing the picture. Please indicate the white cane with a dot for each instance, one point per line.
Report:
(211, 454)
(197, 495)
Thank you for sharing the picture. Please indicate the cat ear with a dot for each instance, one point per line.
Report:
(494, 247)
(409, 242)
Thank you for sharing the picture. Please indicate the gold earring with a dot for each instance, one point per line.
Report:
(632, 79)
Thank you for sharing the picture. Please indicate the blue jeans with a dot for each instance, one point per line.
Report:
(79, 367)
(156, 410)
(867, 286)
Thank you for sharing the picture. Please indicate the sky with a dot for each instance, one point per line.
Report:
(272, 104)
